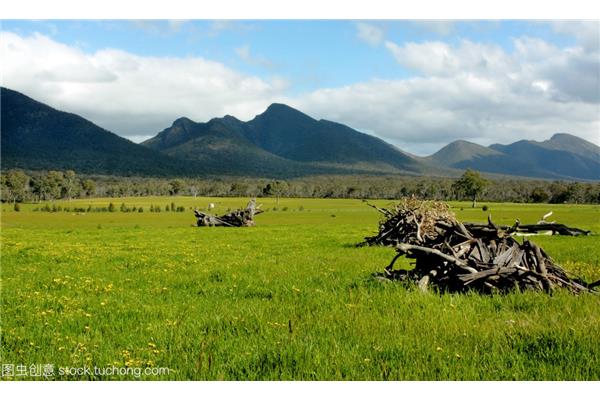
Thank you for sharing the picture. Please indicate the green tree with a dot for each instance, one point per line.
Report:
(49, 186)
(275, 188)
(89, 187)
(177, 186)
(16, 182)
(70, 184)
(471, 184)
(539, 195)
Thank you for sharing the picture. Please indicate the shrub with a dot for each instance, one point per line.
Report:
(111, 207)
(141, 209)
(17, 207)
(485, 208)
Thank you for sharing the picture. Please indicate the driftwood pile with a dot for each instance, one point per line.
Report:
(455, 257)
(237, 218)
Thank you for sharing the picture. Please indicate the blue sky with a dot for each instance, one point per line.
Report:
(323, 67)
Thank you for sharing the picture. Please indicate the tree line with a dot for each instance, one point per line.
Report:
(18, 186)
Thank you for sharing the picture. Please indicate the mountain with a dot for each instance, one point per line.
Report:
(36, 136)
(221, 147)
(281, 139)
(563, 156)
(572, 144)
(279, 143)
(461, 151)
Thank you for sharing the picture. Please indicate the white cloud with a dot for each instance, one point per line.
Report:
(369, 33)
(440, 59)
(587, 33)
(131, 95)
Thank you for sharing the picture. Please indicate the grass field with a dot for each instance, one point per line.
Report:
(288, 299)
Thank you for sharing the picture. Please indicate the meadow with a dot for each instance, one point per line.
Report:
(289, 299)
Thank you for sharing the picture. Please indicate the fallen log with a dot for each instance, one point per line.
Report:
(541, 227)
(237, 218)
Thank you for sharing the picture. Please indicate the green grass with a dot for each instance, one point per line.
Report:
(288, 299)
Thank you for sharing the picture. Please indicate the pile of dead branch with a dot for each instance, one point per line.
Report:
(410, 221)
(237, 218)
(455, 258)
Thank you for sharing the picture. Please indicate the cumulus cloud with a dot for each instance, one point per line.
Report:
(369, 33)
(587, 33)
(131, 95)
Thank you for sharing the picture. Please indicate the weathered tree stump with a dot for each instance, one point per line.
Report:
(237, 218)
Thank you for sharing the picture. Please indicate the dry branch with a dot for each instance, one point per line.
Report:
(457, 257)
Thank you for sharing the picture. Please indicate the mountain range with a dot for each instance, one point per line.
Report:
(563, 156)
(281, 142)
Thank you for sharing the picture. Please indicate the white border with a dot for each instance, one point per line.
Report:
(306, 9)
(298, 390)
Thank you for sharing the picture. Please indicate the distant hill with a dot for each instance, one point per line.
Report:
(281, 139)
(563, 156)
(461, 151)
(36, 136)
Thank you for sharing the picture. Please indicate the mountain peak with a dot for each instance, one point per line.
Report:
(460, 151)
(231, 118)
(567, 138)
(182, 121)
(283, 110)
(574, 144)
(562, 135)
(280, 107)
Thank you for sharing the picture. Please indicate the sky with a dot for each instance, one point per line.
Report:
(416, 84)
